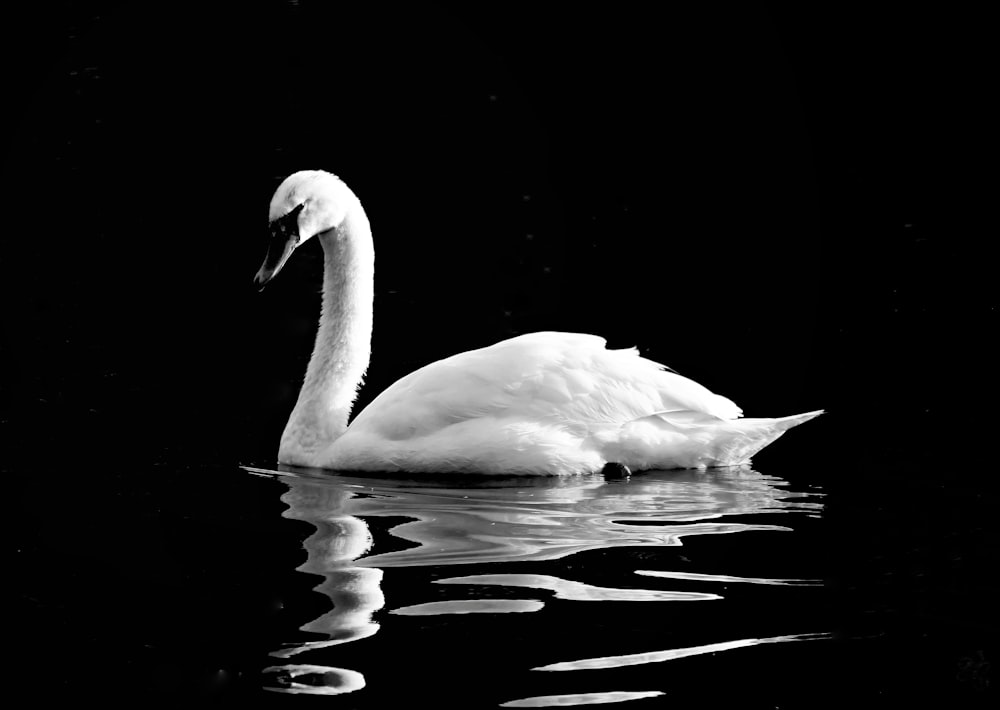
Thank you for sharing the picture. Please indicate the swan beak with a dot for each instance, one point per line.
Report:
(279, 248)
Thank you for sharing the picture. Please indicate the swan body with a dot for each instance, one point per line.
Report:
(543, 403)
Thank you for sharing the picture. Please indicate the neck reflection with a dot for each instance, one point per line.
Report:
(339, 540)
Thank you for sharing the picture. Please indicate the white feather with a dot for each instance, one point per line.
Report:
(542, 403)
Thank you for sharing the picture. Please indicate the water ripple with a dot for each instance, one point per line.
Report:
(635, 659)
(503, 520)
(611, 696)
(449, 521)
(578, 591)
(697, 577)
(470, 606)
(330, 681)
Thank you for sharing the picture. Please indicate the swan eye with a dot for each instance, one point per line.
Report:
(287, 225)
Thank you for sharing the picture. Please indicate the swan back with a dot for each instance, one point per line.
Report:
(567, 379)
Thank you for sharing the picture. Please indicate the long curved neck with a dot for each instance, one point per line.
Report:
(343, 342)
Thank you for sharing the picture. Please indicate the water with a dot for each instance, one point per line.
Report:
(497, 581)
(173, 585)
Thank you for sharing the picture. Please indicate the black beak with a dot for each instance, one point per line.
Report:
(278, 251)
(282, 242)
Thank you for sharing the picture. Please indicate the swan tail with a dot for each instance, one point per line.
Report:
(786, 423)
(738, 441)
(676, 440)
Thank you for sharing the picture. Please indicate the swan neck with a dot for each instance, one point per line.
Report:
(343, 341)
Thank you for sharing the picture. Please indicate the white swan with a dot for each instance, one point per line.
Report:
(542, 403)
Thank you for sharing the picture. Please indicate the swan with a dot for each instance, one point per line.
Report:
(545, 403)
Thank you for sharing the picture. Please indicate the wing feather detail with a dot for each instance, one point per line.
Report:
(564, 378)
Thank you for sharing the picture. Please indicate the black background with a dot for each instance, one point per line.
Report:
(781, 206)
(785, 205)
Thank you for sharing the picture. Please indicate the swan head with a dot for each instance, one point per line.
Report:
(306, 203)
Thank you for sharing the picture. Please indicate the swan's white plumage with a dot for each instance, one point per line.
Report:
(541, 403)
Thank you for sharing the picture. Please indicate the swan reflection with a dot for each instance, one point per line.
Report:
(550, 701)
(327, 680)
(578, 591)
(331, 550)
(470, 606)
(672, 654)
(451, 521)
(521, 519)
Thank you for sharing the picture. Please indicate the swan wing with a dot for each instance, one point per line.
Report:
(568, 379)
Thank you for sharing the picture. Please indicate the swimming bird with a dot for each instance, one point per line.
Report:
(545, 403)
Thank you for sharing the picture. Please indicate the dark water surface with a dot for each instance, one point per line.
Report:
(725, 587)
(498, 582)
